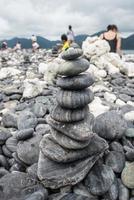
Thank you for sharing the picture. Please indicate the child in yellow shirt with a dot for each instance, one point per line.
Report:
(65, 41)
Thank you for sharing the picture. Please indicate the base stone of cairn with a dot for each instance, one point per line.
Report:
(71, 149)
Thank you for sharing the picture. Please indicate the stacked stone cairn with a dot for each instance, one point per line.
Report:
(71, 149)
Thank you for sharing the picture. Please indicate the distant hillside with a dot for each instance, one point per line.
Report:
(127, 43)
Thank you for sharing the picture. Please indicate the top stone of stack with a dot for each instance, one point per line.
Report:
(72, 54)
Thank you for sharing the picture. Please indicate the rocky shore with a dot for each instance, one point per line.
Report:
(56, 152)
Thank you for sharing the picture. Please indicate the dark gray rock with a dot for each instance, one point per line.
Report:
(110, 125)
(6, 151)
(4, 135)
(28, 150)
(81, 131)
(55, 152)
(39, 195)
(9, 120)
(56, 175)
(66, 115)
(69, 196)
(116, 160)
(18, 186)
(24, 134)
(32, 170)
(3, 172)
(4, 162)
(116, 146)
(78, 82)
(129, 152)
(113, 192)
(74, 99)
(80, 189)
(26, 120)
(100, 179)
(67, 142)
(123, 191)
(11, 144)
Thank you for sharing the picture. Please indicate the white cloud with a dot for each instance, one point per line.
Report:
(50, 18)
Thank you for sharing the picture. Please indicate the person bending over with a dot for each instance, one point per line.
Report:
(112, 36)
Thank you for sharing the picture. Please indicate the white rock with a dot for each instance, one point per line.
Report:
(8, 72)
(96, 107)
(94, 46)
(42, 68)
(100, 88)
(109, 97)
(128, 69)
(119, 102)
(33, 88)
(129, 116)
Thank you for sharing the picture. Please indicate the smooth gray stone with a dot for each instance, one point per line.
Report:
(100, 179)
(11, 144)
(3, 172)
(4, 135)
(15, 97)
(110, 125)
(124, 97)
(32, 170)
(6, 151)
(80, 189)
(56, 175)
(71, 54)
(123, 191)
(128, 91)
(67, 142)
(116, 160)
(116, 146)
(39, 109)
(78, 82)
(55, 152)
(129, 153)
(42, 129)
(73, 67)
(39, 195)
(74, 99)
(24, 134)
(4, 162)
(81, 131)
(129, 133)
(9, 120)
(18, 185)
(26, 120)
(127, 175)
(66, 115)
(113, 192)
(69, 196)
(28, 150)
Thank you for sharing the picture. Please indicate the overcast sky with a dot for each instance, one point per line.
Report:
(50, 18)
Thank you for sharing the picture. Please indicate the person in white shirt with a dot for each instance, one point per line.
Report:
(35, 46)
(70, 34)
(34, 38)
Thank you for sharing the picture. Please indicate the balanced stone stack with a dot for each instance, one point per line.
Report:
(71, 149)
